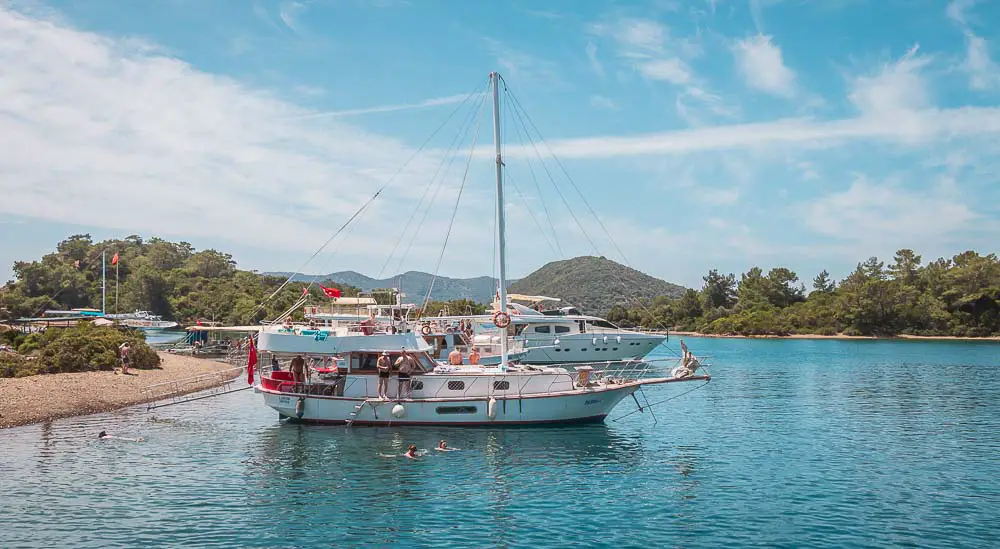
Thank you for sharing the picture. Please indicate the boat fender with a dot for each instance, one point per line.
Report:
(398, 411)
(491, 408)
(594, 340)
(605, 339)
(426, 330)
(300, 407)
(556, 342)
(618, 339)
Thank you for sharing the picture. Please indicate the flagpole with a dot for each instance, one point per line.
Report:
(116, 286)
(104, 282)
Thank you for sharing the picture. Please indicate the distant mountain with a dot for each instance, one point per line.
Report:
(594, 284)
(414, 284)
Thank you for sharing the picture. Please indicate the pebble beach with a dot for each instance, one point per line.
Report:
(41, 398)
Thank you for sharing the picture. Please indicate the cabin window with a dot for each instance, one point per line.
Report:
(603, 324)
(542, 329)
(518, 328)
(417, 385)
(456, 410)
(562, 329)
(501, 385)
(456, 385)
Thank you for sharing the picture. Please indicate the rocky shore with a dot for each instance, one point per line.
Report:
(40, 398)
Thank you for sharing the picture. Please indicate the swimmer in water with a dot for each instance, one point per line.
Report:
(443, 447)
(411, 452)
(104, 435)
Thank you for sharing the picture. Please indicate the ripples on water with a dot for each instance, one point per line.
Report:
(793, 444)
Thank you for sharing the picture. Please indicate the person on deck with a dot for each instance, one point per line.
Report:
(275, 365)
(455, 357)
(405, 366)
(298, 367)
(474, 356)
(384, 366)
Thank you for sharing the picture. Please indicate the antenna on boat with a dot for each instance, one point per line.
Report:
(502, 282)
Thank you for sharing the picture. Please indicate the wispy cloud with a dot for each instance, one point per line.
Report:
(289, 12)
(522, 65)
(595, 63)
(435, 102)
(983, 72)
(762, 66)
(602, 102)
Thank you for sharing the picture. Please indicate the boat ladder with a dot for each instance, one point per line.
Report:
(357, 410)
(199, 387)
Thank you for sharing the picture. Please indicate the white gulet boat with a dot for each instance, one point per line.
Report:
(505, 394)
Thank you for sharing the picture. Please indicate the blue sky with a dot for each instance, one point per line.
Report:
(808, 134)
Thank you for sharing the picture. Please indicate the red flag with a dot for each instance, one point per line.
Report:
(114, 260)
(305, 291)
(251, 360)
(329, 292)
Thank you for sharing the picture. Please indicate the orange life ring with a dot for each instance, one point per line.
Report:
(501, 319)
(426, 330)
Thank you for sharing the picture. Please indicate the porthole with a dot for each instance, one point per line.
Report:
(456, 385)
(501, 385)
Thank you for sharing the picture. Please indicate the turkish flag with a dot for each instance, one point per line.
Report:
(114, 260)
(329, 292)
(251, 361)
(305, 291)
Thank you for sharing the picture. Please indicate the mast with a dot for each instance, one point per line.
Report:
(104, 282)
(501, 244)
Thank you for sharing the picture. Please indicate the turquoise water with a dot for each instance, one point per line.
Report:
(793, 444)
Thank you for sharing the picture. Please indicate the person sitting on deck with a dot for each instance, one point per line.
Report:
(297, 367)
(474, 356)
(455, 357)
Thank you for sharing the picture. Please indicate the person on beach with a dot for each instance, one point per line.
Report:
(474, 356)
(298, 367)
(123, 350)
(405, 367)
(455, 357)
(384, 366)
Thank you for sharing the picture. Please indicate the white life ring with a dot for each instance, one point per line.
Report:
(501, 319)
(491, 408)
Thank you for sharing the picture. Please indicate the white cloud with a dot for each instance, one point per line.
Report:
(761, 63)
(435, 102)
(894, 89)
(602, 102)
(96, 131)
(595, 63)
(984, 73)
(885, 212)
(672, 70)
(289, 13)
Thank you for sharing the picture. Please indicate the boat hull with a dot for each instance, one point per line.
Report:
(584, 406)
(580, 348)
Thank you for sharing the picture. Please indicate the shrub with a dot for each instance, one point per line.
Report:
(81, 348)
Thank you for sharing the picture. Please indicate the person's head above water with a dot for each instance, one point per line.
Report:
(412, 448)
(102, 434)
(442, 444)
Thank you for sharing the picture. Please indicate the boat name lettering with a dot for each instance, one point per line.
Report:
(591, 401)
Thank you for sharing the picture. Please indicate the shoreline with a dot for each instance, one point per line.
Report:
(40, 398)
(900, 337)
